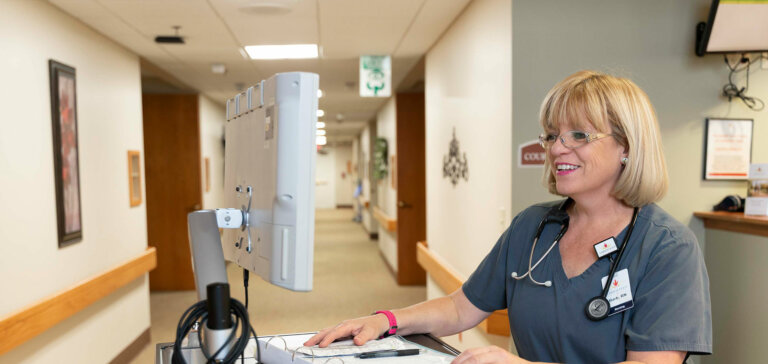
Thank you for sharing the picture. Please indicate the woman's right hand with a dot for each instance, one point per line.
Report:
(362, 330)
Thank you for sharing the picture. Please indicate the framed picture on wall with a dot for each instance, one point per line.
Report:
(727, 149)
(65, 153)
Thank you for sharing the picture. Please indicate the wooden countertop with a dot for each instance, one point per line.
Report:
(735, 222)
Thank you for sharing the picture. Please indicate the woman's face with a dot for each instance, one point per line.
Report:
(588, 171)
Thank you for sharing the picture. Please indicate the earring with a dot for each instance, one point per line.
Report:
(624, 161)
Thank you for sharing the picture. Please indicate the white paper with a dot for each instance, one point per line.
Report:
(280, 349)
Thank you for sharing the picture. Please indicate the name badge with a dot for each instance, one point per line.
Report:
(605, 247)
(620, 293)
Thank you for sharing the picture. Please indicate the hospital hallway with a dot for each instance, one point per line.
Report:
(351, 279)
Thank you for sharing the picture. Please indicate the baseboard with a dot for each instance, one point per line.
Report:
(133, 349)
(344, 206)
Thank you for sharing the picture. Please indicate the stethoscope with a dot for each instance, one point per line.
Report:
(597, 307)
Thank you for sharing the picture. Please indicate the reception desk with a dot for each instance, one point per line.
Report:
(736, 253)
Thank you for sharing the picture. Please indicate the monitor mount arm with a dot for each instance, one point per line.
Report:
(205, 242)
(209, 266)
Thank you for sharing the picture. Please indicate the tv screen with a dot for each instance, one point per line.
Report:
(734, 26)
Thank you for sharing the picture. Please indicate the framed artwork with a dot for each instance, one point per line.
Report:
(134, 177)
(65, 153)
(727, 149)
(393, 167)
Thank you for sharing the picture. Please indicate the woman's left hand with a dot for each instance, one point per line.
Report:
(488, 354)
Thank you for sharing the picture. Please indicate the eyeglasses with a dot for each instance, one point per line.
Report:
(572, 139)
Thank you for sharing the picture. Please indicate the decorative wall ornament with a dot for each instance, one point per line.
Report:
(380, 154)
(455, 163)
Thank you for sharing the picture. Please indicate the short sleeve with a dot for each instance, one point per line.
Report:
(672, 303)
(486, 287)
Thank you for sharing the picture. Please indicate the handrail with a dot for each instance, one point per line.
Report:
(364, 201)
(385, 221)
(449, 280)
(17, 328)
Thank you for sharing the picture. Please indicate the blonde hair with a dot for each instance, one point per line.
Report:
(619, 107)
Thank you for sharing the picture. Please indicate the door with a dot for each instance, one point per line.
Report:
(410, 177)
(174, 188)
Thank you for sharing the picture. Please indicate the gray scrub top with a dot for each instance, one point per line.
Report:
(668, 281)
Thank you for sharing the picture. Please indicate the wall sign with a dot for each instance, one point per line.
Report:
(728, 149)
(531, 154)
(455, 163)
(375, 76)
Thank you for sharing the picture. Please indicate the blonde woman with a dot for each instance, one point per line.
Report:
(550, 267)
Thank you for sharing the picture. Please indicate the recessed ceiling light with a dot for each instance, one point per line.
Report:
(219, 68)
(267, 8)
(320, 124)
(320, 131)
(320, 113)
(319, 93)
(321, 140)
(286, 51)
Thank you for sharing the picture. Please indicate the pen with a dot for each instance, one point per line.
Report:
(387, 353)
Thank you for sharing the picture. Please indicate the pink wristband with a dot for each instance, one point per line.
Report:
(392, 323)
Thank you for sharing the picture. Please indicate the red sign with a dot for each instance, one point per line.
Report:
(531, 154)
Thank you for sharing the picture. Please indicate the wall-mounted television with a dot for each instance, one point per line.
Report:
(734, 26)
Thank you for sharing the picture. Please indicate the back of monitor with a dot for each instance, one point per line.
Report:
(270, 174)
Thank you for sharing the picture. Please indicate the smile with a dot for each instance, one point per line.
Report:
(564, 168)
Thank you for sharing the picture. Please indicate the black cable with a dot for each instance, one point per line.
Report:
(246, 277)
(730, 90)
(198, 313)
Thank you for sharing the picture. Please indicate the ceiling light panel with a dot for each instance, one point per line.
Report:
(282, 51)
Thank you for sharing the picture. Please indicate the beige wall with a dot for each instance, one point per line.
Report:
(386, 125)
(110, 124)
(736, 264)
(212, 119)
(468, 87)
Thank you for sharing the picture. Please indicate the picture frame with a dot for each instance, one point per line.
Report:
(134, 177)
(65, 153)
(727, 149)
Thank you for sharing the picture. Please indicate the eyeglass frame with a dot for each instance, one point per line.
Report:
(590, 137)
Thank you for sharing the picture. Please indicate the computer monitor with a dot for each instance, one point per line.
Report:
(270, 174)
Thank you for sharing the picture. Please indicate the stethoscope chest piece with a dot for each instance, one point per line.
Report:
(597, 308)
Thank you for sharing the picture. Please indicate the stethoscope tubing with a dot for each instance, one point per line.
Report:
(564, 221)
(624, 244)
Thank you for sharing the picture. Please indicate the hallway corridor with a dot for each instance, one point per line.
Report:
(351, 279)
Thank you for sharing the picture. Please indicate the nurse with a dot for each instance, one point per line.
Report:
(604, 156)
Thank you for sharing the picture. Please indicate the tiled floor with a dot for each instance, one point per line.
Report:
(351, 279)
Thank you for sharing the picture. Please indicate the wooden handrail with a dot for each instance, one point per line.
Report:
(364, 201)
(449, 280)
(735, 222)
(19, 327)
(385, 221)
